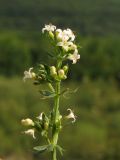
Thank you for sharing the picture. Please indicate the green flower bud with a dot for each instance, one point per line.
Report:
(53, 71)
(51, 34)
(46, 125)
(65, 68)
(42, 66)
(58, 34)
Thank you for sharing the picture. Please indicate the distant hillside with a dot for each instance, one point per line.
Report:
(98, 17)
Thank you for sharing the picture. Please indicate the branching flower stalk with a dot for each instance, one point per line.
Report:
(63, 42)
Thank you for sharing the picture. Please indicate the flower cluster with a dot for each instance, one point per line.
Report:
(43, 123)
(46, 74)
(65, 40)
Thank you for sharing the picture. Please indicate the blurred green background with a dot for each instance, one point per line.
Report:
(96, 134)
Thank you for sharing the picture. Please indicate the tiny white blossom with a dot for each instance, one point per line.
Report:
(74, 57)
(66, 45)
(40, 116)
(65, 35)
(49, 28)
(70, 34)
(71, 115)
(30, 132)
(27, 122)
(28, 74)
(61, 35)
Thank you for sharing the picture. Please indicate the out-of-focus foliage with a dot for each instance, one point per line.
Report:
(14, 54)
(88, 16)
(99, 56)
(94, 136)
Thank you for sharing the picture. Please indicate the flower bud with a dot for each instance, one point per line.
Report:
(59, 34)
(33, 75)
(27, 122)
(65, 68)
(46, 124)
(51, 34)
(61, 74)
(53, 71)
(42, 66)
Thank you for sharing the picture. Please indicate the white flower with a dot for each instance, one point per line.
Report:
(65, 35)
(30, 132)
(71, 115)
(65, 45)
(28, 74)
(74, 57)
(68, 32)
(49, 28)
(40, 116)
(61, 35)
(27, 122)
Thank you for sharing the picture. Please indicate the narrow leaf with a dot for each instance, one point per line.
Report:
(67, 92)
(60, 149)
(41, 148)
(47, 94)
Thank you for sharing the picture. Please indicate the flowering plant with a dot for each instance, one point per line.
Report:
(49, 126)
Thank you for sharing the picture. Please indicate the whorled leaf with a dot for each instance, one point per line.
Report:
(67, 91)
(43, 148)
(60, 149)
(47, 94)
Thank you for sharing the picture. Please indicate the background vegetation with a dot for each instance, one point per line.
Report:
(96, 134)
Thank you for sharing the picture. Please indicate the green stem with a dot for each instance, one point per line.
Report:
(57, 99)
(54, 154)
(55, 131)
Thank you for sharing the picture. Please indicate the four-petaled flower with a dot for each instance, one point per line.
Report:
(28, 74)
(71, 115)
(74, 57)
(66, 45)
(69, 33)
(65, 35)
(49, 28)
(61, 35)
(30, 132)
